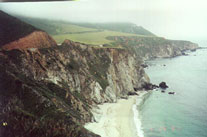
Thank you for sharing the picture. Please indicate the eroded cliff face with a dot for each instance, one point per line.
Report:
(50, 91)
(170, 49)
(154, 47)
(36, 39)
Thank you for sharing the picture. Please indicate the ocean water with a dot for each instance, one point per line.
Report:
(185, 113)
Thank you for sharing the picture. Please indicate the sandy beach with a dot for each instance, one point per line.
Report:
(114, 119)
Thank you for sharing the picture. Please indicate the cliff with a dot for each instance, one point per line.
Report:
(50, 91)
(154, 47)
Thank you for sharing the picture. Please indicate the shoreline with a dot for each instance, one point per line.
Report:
(118, 119)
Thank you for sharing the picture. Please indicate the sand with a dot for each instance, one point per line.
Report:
(114, 119)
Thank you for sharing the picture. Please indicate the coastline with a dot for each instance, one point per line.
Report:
(118, 119)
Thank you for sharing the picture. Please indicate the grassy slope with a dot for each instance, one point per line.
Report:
(94, 38)
(56, 27)
(87, 33)
(120, 27)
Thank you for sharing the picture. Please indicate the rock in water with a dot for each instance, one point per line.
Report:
(171, 93)
(163, 85)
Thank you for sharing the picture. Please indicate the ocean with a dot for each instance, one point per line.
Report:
(183, 114)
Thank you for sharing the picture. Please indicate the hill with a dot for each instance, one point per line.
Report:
(12, 29)
(120, 27)
(54, 27)
(108, 35)
(153, 47)
(15, 33)
(88, 33)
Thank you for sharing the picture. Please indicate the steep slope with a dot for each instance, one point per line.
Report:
(47, 92)
(120, 27)
(154, 47)
(60, 27)
(17, 34)
(54, 27)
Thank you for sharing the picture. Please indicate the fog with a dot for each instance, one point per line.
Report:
(173, 19)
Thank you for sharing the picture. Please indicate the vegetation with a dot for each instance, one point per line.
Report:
(144, 45)
(89, 33)
(120, 27)
(56, 27)
(12, 28)
(98, 68)
(93, 38)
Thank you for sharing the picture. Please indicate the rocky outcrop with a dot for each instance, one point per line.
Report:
(154, 47)
(54, 88)
(171, 93)
(163, 85)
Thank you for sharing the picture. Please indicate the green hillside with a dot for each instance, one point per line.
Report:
(56, 27)
(93, 38)
(92, 34)
(120, 27)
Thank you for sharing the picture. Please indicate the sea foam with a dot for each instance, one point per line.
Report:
(137, 120)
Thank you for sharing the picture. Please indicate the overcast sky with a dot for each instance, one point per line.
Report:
(173, 19)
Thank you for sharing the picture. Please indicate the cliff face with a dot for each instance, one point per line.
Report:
(50, 91)
(172, 48)
(154, 47)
